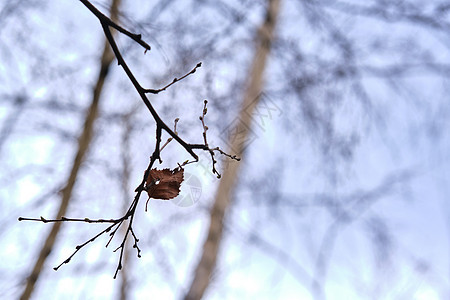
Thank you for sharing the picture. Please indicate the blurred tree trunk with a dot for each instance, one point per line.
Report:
(125, 180)
(84, 141)
(207, 262)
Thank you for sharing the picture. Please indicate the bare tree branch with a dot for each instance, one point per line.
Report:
(112, 229)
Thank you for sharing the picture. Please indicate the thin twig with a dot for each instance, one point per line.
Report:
(152, 91)
(79, 247)
(205, 128)
(226, 154)
(64, 219)
(170, 138)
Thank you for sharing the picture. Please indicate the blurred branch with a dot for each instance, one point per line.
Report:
(11, 120)
(281, 256)
(394, 12)
(345, 211)
(398, 70)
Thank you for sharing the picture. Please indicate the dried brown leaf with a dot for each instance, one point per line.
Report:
(164, 184)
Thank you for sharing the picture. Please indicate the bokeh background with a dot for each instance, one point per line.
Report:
(344, 184)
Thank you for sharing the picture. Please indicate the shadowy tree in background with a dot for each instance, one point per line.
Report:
(240, 134)
(342, 190)
(84, 142)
